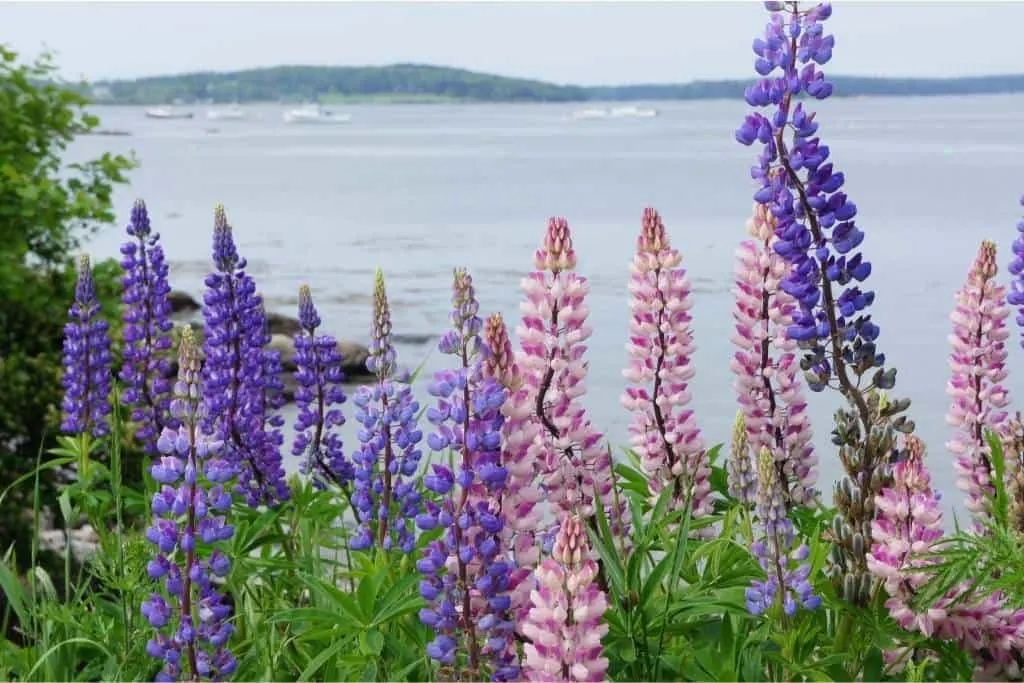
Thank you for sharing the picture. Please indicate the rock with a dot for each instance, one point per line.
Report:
(283, 324)
(84, 542)
(182, 303)
(353, 356)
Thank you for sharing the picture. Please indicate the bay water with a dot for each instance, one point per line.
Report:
(418, 190)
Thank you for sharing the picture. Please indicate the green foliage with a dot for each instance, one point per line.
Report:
(46, 208)
(322, 83)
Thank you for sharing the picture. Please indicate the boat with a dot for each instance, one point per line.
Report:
(167, 113)
(590, 114)
(232, 113)
(634, 112)
(314, 113)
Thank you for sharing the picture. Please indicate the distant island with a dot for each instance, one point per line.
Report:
(423, 83)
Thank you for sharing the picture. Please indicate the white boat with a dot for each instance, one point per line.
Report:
(314, 113)
(590, 114)
(634, 112)
(167, 113)
(232, 113)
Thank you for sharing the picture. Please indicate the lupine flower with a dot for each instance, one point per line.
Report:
(742, 480)
(814, 219)
(908, 524)
(564, 625)
(766, 363)
(466, 572)
(1015, 297)
(818, 236)
(239, 372)
(319, 398)
(191, 614)
(86, 381)
(663, 429)
(521, 513)
(909, 527)
(385, 495)
(575, 467)
(147, 330)
(785, 564)
(978, 362)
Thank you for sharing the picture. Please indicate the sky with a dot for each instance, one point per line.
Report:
(583, 43)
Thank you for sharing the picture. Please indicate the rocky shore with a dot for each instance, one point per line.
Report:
(186, 310)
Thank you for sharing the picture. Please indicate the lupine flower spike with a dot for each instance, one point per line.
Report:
(319, 399)
(784, 563)
(664, 429)
(466, 572)
(564, 625)
(235, 372)
(519, 502)
(189, 511)
(908, 527)
(766, 362)
(978, 362)
(87, 376)
(575, 466)
(742, 479)
(385, 494)
(147, 330)
(817, 235)
(1016, 295)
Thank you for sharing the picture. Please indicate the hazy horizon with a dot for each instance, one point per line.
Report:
(574, 43)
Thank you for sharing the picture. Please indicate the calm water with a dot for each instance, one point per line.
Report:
(420, 189)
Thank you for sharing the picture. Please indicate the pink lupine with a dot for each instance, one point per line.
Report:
(766, 363)
(564, 624)
(664, 431)
(519, 507)
(574, 465)
(978, 362)
(908, 524)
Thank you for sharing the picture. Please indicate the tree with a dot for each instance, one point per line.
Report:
(47, 207)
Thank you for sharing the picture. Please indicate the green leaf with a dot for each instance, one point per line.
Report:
(371, 642)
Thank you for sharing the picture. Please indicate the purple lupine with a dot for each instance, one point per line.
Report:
(467, 571)
(147, 330)
(267, 435)
(191, 614)
(86, 381)
(1015, 297)
(817, 235)
(385, 497)
(786, 568)
(814, 219)
(319, 398)
(236, 371)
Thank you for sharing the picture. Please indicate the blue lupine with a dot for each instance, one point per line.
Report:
(240, 375)
(319, 398)
(814, 219)
(189, 510)
(87, 380)
(467, 571)
(1015, 297)
(147, 330)
(385, 496)
(786, 568)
